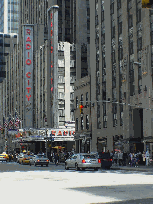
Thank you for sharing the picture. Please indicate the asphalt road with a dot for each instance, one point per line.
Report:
(53, 184)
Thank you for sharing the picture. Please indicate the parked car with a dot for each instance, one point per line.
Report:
(83, 161)
(39, 160)
(3, 157)
(105, 158)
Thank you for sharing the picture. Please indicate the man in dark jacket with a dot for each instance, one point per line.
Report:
(56, 159)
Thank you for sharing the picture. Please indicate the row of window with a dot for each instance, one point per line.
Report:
(81, 101)
(82, 123)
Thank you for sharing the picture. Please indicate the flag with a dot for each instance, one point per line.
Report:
(5, 124)
(10, 123)
(17, 121)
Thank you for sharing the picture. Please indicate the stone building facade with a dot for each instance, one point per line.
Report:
(121, 76)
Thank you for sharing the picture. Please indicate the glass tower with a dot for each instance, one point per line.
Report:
(9, 16)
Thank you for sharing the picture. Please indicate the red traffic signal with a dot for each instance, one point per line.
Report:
(81, 106)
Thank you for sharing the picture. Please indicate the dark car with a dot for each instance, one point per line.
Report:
(106, 161)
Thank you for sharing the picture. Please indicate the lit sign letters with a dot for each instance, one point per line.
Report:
(28, 61)
(62, 133)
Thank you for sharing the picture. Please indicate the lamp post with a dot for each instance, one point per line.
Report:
(46, 140)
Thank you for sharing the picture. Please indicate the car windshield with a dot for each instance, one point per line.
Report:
(26, 156)
(89, 156)
(41, 156)
(30, 156)
(2, 155)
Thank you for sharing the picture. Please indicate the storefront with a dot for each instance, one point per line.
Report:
(83, 142)
(101, 144)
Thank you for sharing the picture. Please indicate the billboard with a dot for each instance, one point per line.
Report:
(28, 74)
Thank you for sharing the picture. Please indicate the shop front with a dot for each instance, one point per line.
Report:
(101, 144)
(83, 143)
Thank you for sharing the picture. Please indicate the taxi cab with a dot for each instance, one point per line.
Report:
(26, 159)
(4, 157)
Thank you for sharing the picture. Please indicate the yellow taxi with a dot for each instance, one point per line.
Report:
(26, 159)
(4, 157)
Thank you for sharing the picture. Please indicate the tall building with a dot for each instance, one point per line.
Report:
(9, 16)
(39, 82)
(7, 43)
(121, 82)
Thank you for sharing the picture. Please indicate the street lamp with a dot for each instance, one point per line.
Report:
(46, 140)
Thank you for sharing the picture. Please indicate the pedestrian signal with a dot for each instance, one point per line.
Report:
(81, 107)
(147, 3)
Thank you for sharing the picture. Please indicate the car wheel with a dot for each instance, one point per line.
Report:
(66, 166)
(46, 164)
(96, 169)
(76, 167)
(41, 165)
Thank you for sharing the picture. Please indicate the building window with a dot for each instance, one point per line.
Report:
(82, 123)
(81, 99)
(77, 102)
(76, 126)
(87, 96)
(87, 122)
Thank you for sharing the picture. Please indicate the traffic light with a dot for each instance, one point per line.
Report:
(147, 3)
(81, 107)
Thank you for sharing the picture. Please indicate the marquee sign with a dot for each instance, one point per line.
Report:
(61, 132)
(28, 74)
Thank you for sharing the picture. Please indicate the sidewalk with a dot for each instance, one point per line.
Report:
(129, 168)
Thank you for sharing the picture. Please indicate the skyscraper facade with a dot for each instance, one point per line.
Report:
(9, 16)
(121, 82)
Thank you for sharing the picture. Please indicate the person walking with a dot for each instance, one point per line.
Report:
(147, 157)
(120, 157)
(144, 158)
(124, 158)
(115, 158)
(56, 159)
(131, 158)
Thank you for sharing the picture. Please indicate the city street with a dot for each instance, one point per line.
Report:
(53, 184)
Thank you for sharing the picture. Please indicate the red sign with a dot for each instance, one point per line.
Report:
(28, 62)
(51, 49)
(60, 132)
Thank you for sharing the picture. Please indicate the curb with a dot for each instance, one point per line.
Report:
(132, 169)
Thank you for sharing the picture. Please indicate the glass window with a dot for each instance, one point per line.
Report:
(76, 124)
(87, 122)
(87, 97)
(81, 99)
(76, 102)
(82, 123)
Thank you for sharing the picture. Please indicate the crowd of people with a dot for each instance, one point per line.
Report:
(133, 159)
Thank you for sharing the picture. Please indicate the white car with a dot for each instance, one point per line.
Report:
(39, 160)
(82, 161)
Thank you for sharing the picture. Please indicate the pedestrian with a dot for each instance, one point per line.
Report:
(147, 157)
(124, 158)
(137, 160)
(115, 158)
(120, 157)
(56, 159)
(144, 158)
(10, 157)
